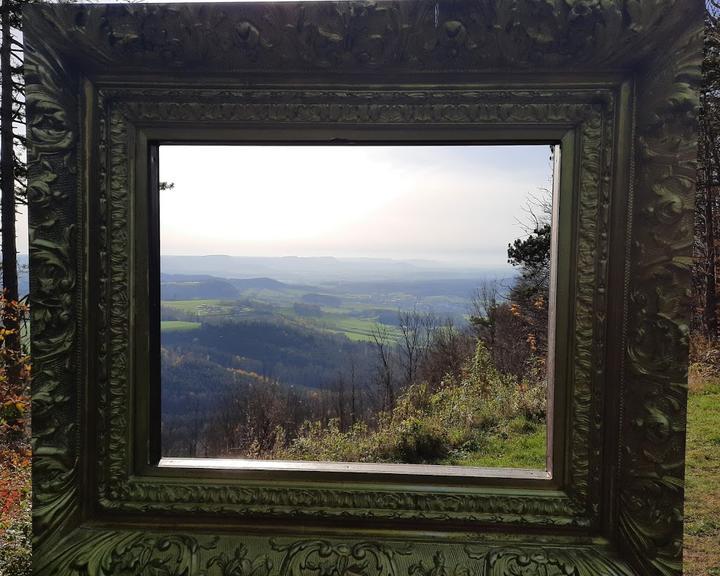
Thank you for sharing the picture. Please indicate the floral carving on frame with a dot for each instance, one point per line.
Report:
(616, 79)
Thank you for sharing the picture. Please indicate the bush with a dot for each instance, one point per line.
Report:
(16, 543)
(419, 441)
(316, 441)
(704, 357)
(429, 427)
(15, 477)
(15, 512)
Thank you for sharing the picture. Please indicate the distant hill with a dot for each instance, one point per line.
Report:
(295, 269)
(292, 353)
(205, 287)
(258, 284)
(322, 299)
(458, 287)
(213, 288)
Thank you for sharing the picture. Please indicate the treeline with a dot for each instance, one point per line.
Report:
(276, 349)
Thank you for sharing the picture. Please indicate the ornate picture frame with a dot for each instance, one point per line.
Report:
(614, 83)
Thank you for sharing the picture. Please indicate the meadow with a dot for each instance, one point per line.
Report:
(354, 319)
(702, 473)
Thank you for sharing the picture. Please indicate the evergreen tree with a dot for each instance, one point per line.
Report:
(532, 256)
(12, 168)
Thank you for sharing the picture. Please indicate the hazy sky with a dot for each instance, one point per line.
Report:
(457, 204)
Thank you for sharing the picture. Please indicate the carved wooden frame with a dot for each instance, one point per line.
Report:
(615, 82)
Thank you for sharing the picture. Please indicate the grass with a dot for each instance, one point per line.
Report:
(358, 329)
(476, 417)
(702, 486)
(352, 327)
(200, 307)
(524, 447)
(178, 326)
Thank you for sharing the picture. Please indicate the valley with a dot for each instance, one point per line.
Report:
(361, 360)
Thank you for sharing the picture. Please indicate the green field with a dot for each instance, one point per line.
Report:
(199, 307)
(524, 447)
(178, 326)
(702, 472)
(337, 320)
(354, 328)
(359, 329)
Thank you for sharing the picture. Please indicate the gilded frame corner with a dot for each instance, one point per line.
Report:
(103, 81)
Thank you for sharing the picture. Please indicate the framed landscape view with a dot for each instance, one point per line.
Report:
(368, 288)
(344, 316)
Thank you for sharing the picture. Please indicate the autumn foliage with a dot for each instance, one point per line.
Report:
(15, 478)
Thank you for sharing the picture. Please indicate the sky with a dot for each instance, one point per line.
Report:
(452, 204)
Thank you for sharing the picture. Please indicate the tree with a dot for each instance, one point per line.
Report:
(705, 270)
(532, 255)
(447, 352)
(385, 373)
(529, 296)
(495, 322)
(416, 331)
(12, 170)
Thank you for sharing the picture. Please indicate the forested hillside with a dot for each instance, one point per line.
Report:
(385, 370)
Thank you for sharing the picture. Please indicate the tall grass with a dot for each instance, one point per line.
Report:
(455, 421)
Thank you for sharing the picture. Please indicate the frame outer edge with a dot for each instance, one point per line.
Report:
(55, 234)
(364, 36)
(654, 391)
(649, 492)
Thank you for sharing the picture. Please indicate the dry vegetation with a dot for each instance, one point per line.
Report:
(15, 481)
(453, 423)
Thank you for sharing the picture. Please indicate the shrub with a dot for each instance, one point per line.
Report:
(429, 427)
(316, 441)
(419, 441)
(15, 539)
(15, 501)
